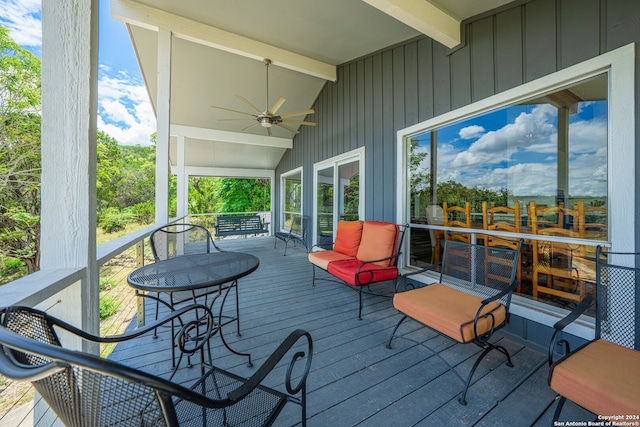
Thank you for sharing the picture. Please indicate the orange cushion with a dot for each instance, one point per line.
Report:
(378, 241)
(323, 258)
(369, 273)
(602, 377)
(348, 237)
(448, 310)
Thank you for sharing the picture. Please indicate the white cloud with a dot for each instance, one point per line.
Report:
(528, 130)
(124, 110)
(22, 18)
(471, 132)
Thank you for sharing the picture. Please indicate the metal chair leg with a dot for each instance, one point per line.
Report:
(561, 402)
(487, 349)
(394, 330)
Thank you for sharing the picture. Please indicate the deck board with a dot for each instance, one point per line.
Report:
(355, 378)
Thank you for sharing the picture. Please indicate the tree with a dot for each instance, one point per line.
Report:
(19, 153)
(108, 173)
(242, 195)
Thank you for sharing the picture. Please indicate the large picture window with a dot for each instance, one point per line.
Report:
(539, 163)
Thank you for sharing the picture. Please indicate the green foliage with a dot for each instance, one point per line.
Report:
(19, 153)
(106, 284)
(108, 307)
(207, 194)
(137, 176)
(11, 266)
(143, 213)
(113, 219)
(108, 175)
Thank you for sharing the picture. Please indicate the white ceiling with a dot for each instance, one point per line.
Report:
(219, 45)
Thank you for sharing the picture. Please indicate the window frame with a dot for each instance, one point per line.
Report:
(283, 212)
(354, 155)
(620, 66)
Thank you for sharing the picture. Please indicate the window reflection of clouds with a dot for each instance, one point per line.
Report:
(521, 155)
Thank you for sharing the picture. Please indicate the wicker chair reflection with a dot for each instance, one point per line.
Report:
(469, 304)
(85, 390)
(503, 218)
(557, 260)
(602, 375)
(458, 216)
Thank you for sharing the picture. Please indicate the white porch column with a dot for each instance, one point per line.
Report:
(68, 148)
(68, 151)
(162, 131)
(183, 181)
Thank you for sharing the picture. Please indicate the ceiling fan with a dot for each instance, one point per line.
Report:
(269, 116)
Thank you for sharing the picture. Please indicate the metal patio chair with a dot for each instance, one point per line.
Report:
(469, 303)
(602, 375)
(85, 390)
(297, 232)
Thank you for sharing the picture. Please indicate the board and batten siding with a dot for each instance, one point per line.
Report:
(403, 85)
(379, 94)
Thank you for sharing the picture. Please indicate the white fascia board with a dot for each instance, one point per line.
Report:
(422, 16)
(234, 137)
(140, 15)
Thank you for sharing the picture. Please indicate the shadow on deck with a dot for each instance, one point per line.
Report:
(355, 379)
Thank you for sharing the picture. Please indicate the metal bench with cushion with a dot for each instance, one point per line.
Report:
(364, 253)
(470, 302)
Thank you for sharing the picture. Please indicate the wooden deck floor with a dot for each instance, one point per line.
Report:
(355, 379)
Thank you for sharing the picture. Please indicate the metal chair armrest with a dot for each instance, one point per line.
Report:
(126, 336)
(255, 379)
(563, 323)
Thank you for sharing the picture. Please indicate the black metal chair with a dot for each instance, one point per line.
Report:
(602, 375)
(297, 233)
(85, 390)
(470, 302)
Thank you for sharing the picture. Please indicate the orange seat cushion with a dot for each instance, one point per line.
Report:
(348, 237)
(371, 273)
(602, 377)
(378, 241)
(449, 311)
(323, 258)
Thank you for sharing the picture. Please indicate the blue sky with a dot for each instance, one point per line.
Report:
(124, 110)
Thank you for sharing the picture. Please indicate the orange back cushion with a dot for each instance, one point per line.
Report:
(378, 241)
(348, 237)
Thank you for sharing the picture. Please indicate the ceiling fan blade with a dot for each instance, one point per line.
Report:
(231, 120)
(250, 126)
(290, 129)
(297, 113)
(253, 107)
(276, 106)
(233, 111)
(299, 122)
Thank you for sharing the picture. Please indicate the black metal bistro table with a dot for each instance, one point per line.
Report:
(193, 274)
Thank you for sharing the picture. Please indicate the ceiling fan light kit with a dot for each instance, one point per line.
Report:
(268, 117)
